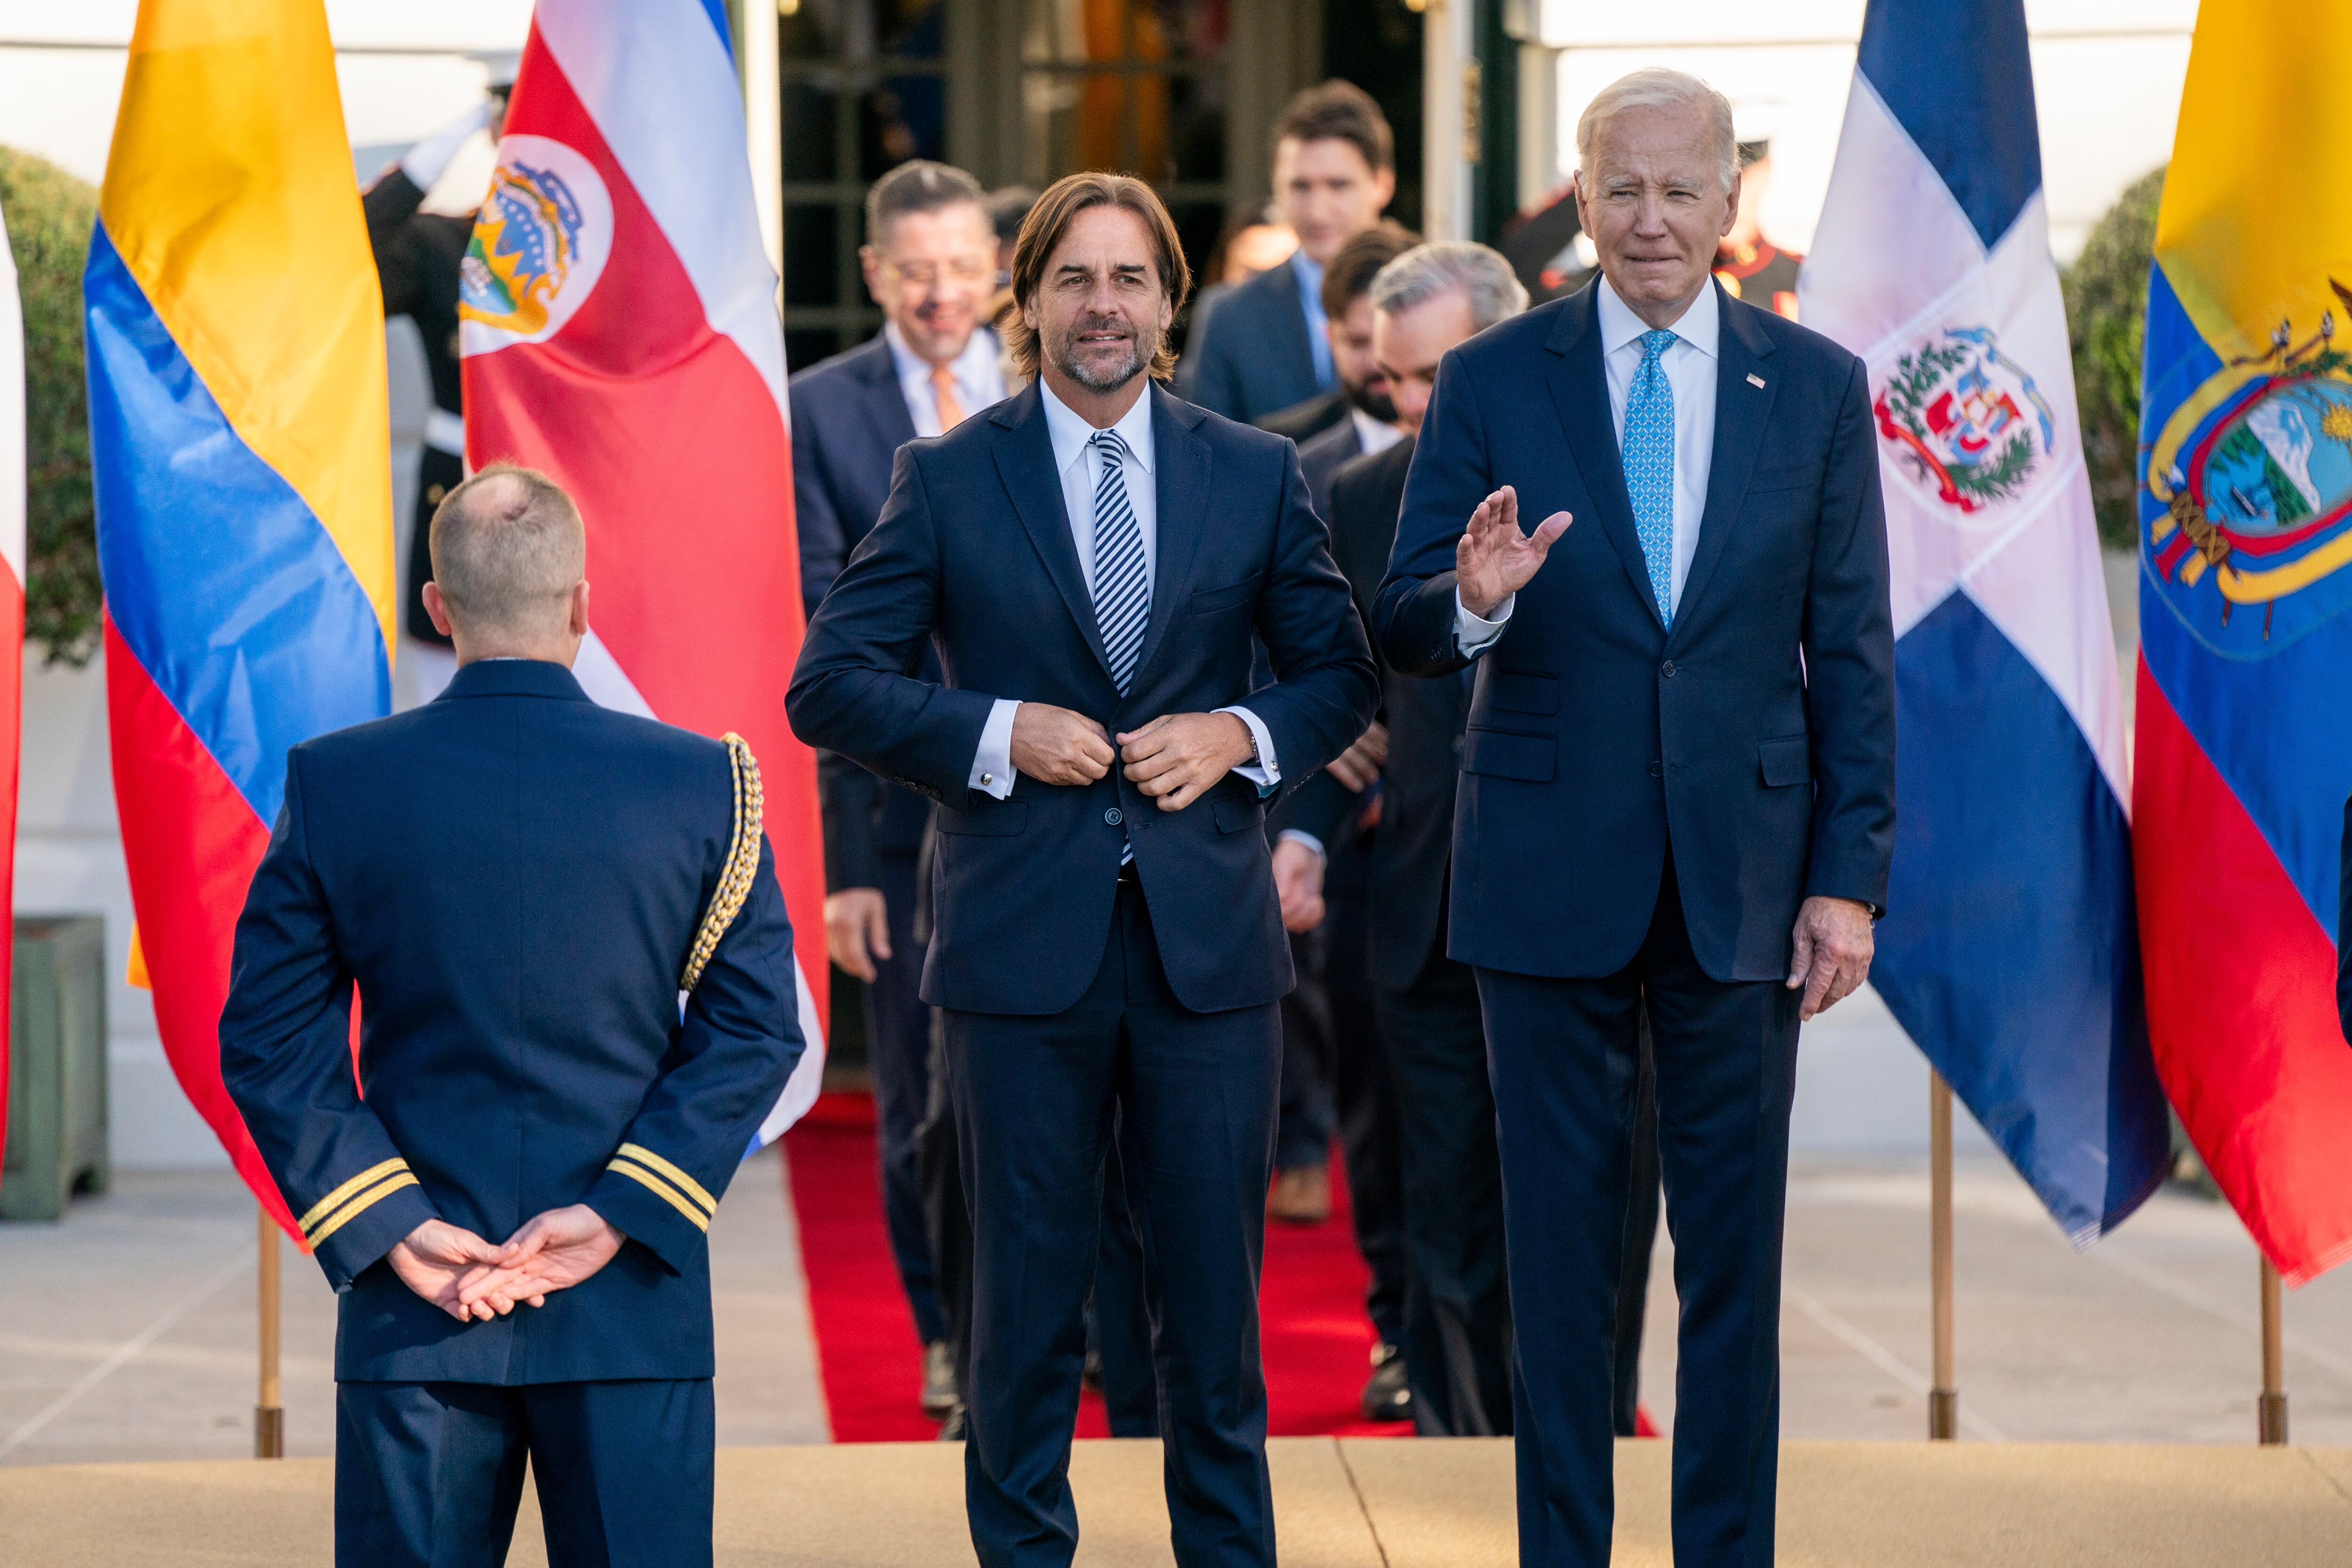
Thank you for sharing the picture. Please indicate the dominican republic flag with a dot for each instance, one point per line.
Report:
(12, 610)
(241, 450)
(2008, 952)
(620, 333)
(2244, 716)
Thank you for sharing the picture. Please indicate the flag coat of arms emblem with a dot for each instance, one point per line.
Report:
(620, 332)
(2009, 951)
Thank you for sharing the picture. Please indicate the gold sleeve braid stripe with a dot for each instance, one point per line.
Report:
(677, 1178)
(660, 1189)
(361, 1205)
(327, 1204)
(742, 861)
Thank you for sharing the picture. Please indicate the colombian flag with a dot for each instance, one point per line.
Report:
(239, 440)
(2244, 715)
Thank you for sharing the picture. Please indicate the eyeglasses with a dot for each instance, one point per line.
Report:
(923, 274)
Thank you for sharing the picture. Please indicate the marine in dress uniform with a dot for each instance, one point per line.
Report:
(573, 972)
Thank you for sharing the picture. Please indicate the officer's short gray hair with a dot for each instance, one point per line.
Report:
(917, 186)
(1655, 87)
(1478, 273)
(507, 549)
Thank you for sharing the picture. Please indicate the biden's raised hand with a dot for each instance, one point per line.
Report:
(1495, 560)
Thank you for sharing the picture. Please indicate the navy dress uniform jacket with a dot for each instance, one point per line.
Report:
(1761, 727)
(1023, 888)
(512, 876)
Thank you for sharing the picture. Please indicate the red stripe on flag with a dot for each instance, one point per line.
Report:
(190, 843)
(674, 447)
(2241, 1001)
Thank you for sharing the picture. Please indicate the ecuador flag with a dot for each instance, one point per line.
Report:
(239, 442)
(2244, 729)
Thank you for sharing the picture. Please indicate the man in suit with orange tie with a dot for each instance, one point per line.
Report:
(930, 264)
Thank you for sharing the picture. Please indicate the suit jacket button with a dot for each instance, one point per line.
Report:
(1657, 769)
(1668, 669)
(1114, 817)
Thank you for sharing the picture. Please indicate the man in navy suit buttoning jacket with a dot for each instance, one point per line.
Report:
(1094, 562)
(520, 884)
(1677, 786)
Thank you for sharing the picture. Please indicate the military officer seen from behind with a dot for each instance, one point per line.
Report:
(512, 1199)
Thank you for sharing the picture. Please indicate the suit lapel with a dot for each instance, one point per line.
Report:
(1024, 461)
(1292, 314)
(1579, 393)
(1742, 409)
(886, 401)
(1180, 474)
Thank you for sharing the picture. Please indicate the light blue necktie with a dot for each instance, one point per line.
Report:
(1647, 451)
(1122, 585)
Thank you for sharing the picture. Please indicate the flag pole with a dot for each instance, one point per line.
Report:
(763, 125)
(1944, 1398)
(2272, 1423)
(268, 1411)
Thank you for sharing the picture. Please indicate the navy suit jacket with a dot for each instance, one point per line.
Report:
(1250, 357)
(1758, 734)
(512, 876)
(849, 419)
(974, 555)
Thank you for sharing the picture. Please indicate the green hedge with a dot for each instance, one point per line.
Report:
(2107, 313)
(50, 216)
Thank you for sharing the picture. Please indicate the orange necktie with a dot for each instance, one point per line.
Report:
(943, 394)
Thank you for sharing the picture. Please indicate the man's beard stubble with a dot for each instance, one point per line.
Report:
(1378, 406)
(1110, 378)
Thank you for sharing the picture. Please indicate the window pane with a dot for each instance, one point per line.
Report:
(811, 254)
(811, 114)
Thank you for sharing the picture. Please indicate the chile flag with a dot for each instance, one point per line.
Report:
(620, 333)
(2009, 951)
(2244, 720)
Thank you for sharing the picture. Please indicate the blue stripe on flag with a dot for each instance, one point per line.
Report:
(222, 581)
(1958, 76)
(2009, 952)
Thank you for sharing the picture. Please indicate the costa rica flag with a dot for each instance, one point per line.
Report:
(620, 332)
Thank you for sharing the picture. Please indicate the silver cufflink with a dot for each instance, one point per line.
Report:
(988, 778)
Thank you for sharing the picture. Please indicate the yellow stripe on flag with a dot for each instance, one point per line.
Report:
(2257, 216)
(229, 197)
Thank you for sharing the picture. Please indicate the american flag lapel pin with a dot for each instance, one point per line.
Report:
(1754, 379)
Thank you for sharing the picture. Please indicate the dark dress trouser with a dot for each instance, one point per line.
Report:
(899, 1044)
(429, 1475)
(1303, 1128)
(1457, 1336)
(1034, 1099)
(1565, 1064)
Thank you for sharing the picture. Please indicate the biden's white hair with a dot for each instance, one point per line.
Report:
(1481, 275)
(1655, 87)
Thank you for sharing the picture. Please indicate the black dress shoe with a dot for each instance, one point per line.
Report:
(1387, 1397)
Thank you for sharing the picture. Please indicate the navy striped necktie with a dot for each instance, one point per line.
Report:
(1122, 585)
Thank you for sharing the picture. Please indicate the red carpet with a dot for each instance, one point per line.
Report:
(1317, 1343)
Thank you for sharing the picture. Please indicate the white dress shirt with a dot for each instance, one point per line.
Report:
(1690, 365)
(979, 375)
(1080, 462)
(1373, 435)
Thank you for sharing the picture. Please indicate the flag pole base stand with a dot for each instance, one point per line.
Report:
(2272, 1418)
(269, 1431)
(1943, 1415)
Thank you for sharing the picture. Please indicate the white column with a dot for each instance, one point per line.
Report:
(1449, 136)
(763, 123)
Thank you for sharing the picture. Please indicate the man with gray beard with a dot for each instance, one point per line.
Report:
(1094, 562)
